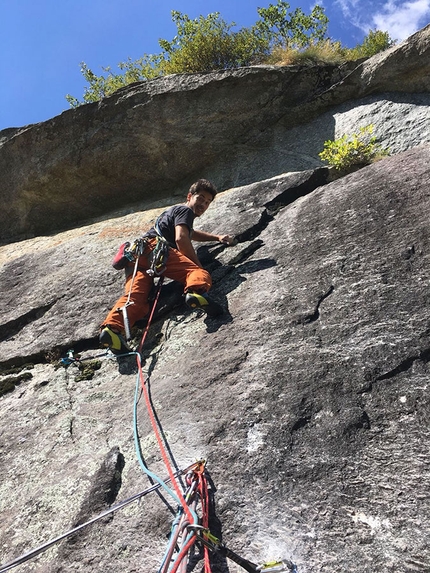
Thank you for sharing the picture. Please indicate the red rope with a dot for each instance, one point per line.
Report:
(183, 552)
(204, 499)
(157, 296)
(164, 455)
(160, 442)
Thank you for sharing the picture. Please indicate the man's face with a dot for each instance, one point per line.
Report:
(199, 202)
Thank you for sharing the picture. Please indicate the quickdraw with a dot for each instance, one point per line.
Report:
(77, 359)
(159, 255)
(157, 258)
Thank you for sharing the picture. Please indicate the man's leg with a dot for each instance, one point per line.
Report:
(180, 268)
(196, 281)
(113, 325)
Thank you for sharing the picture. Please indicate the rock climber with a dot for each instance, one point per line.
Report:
(174, 231)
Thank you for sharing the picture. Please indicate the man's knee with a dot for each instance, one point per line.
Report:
(199, 281)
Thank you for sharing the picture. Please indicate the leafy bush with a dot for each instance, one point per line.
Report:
(210, 43)
(376, 41)
(284, 29)
(146, 68)
(358, 149)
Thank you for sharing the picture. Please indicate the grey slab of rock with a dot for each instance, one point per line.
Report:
(309, 399)
(55, 293)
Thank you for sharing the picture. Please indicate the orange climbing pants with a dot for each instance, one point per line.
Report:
(178, 268)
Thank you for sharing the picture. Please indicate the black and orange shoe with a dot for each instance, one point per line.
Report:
(114, 341)
(198, 301)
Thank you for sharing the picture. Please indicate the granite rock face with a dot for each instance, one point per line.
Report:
(308, 398)
(150, 139)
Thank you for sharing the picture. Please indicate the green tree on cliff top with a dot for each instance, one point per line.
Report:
(209, 43)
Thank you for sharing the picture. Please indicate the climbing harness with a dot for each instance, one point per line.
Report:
(157, 259)
(159, 254)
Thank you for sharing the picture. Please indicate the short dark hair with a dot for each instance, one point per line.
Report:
(203, 185)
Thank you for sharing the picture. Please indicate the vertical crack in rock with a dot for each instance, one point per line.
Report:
(70, 403)
(309, 318)
(247, 252)
(252, 232)
(106, 484)
(318, 178)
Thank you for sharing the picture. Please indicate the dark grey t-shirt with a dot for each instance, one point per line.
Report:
(167, 221)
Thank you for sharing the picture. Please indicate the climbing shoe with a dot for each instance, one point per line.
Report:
(114, 341)
(198, 301)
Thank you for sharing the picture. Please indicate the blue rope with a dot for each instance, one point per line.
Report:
(154, 476)
(148, 472)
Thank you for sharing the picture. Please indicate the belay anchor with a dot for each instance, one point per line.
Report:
(215, 545)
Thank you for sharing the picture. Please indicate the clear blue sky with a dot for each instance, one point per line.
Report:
(43, 42)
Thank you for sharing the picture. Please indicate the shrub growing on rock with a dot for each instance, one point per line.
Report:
(353, 150)
(209, 43)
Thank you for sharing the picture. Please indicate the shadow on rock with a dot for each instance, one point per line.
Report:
(226, 278)
(127, 364)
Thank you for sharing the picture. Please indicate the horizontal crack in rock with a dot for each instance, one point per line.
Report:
(12, 327)
(405, 365)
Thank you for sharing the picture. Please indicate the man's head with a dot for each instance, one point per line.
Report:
(200, 196)
(203, 185)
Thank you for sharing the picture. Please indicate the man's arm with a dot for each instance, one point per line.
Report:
(184, 244)
(202, 236)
